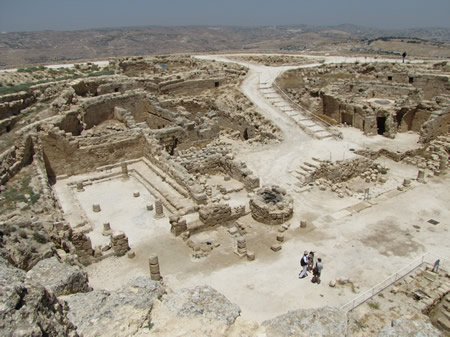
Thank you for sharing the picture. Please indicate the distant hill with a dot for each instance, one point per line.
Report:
(25, 48)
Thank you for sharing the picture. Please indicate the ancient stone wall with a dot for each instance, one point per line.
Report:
(12, 104)
(343, 170)
(100, 109)
(431, 85)
(413, 119)
(70, 123)
(157, 156)
(216, 214)
(16, 157)
(63, 155)
(437, 125)
(240, 172)
(191, 87)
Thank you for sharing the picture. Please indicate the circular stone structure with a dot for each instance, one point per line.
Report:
(271, 205)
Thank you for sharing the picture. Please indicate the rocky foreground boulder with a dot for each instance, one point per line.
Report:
(60, 278)
(28, 309)
(321, 322)
(200, 311)
(405, 327)
(115, 313)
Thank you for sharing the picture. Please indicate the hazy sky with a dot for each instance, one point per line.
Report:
(30, 15)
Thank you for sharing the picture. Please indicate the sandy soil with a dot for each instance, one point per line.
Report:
(365, 241)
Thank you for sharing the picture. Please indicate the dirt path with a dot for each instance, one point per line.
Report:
(297, 146)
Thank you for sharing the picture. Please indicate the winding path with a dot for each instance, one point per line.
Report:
(273, 163)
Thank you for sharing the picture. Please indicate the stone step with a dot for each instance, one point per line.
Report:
(325, 136)
(444, 323)
(446, 314)
(429, 275)
(311, 165)
(301, 171)
(306, 168)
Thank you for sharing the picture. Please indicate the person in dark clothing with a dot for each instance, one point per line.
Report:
(317, 270)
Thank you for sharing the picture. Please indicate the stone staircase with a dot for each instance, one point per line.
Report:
(303, 118)
(303, 173)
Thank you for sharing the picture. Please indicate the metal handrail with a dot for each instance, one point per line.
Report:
(328, 125)
(368, 294)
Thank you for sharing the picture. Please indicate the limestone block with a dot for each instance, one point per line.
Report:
(106, 229)
(421, 176)
(276, 247)
(60, 278)
(154, 268)
(119, 243)
(155, 277)
(280, 237)
(150, 207)
(159, 213)
(241, 243)
(153, 259)
(250, 256)
(136, 194)
(303, 223)
(96, 208)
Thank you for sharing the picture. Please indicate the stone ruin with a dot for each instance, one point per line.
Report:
(376, 98)
(271, 205)
(170, 131)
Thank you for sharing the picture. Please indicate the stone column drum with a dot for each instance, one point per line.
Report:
(159, 213)
(421, 176)
(106, 229)
(80, 187)
(125, 175)
(153, 264)
(443, 162)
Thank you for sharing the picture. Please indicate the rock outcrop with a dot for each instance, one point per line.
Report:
(28, 309)
(115, 313)
(60, 278)
(321, 322)
(404, 327)
(199, 311)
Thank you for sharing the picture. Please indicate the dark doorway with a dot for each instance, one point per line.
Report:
(411, 79)
(381, 125)
(389, 78)
(347, 118)
(216, 84)
(245, 134)
(170, 148)
(8, 128)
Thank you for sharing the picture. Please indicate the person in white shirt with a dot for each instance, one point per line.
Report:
(304, 264)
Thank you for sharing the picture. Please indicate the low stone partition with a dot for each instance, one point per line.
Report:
(215, 214)
(240, 172)
(271, 205)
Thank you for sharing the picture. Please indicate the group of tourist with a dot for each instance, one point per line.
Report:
(307, 263)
